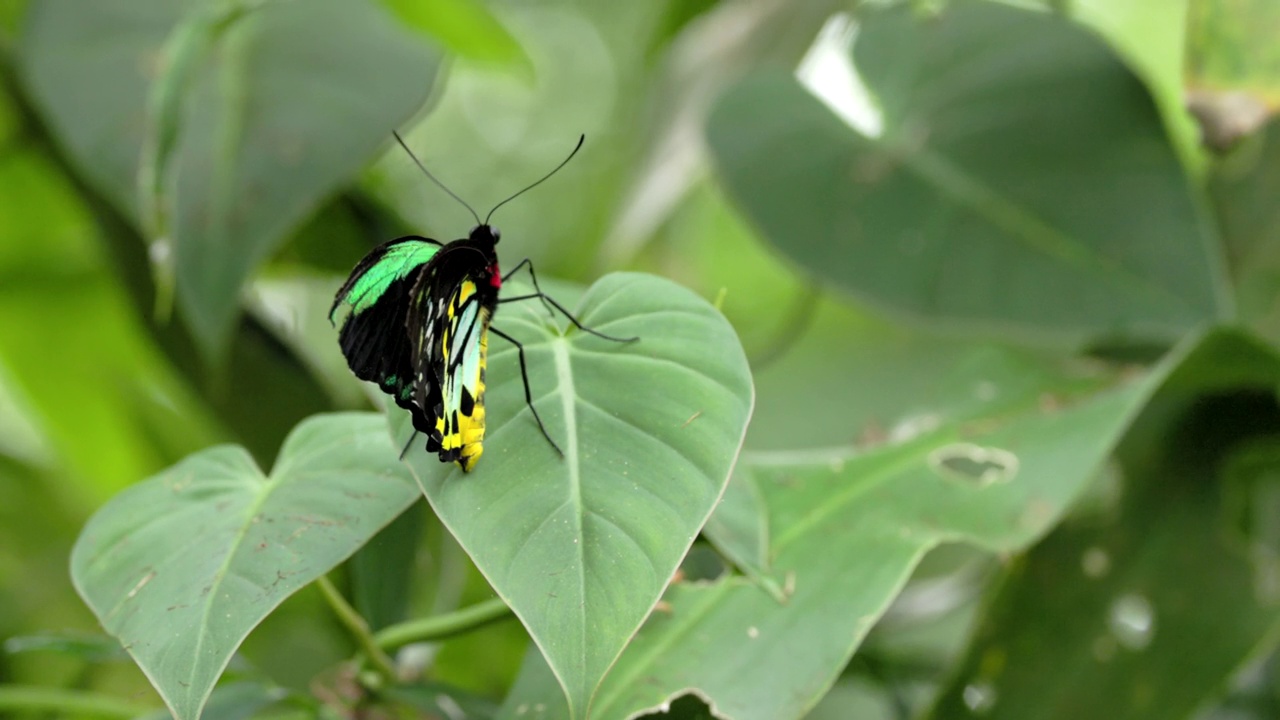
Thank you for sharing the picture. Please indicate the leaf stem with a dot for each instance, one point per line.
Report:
(439, 627)
(356, 625)
(32, 699)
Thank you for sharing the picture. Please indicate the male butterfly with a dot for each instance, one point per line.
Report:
(416, 322)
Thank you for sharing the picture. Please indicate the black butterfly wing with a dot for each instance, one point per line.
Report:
(422, 328)
(449, 319)
(376, 299)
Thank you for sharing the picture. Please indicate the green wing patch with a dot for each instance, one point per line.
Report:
(373, 304)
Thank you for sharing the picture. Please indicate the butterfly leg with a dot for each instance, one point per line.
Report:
(576, 322)
(529, 263)
(406, 445)
(528, 397)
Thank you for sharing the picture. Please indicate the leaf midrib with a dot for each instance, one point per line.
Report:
(568, 401)
(1025, 227)
(269, 483)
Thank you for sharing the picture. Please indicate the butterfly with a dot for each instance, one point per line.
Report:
(414, 317)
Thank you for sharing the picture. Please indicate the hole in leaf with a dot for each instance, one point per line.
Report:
(974, 464)
(686, 707)
(702, 563)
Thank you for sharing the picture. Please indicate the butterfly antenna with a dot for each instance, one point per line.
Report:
(424, 169)
(564, 162)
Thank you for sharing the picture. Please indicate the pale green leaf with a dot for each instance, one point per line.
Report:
(180, 567)
(582, 546)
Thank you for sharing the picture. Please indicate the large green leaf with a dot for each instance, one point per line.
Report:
(1151, 35)
(581, 547)
(1022, 182)
(255, 116)
(183, 565)
(846, 529)
(1156, 603)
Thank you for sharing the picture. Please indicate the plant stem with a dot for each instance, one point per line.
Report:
(356, 625)
(439, 627)
(31, 699)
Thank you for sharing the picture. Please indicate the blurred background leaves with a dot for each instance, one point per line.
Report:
(1053, 190)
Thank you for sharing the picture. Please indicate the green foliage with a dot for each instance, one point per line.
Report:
(959, 400)
(842, 532)
(1122, 620)
(1049, 191)
(243, 135)
(213, 545)
(602, 530)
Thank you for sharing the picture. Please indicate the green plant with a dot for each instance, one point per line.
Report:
(961, 401)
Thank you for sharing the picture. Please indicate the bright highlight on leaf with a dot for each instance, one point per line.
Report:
(1010, 190)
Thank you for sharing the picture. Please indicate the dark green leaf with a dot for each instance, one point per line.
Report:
(1155, 606)
(1022, 183)
(382, 571)
(846, 530)
(1244, 187)
(291, 99)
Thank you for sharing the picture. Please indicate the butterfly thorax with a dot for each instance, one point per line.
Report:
(483, 237)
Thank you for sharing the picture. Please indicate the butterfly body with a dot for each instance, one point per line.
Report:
(416, 323)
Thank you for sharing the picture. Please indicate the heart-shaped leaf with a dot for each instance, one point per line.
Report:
(582, 546)
(1022, 182)
(180, 567)
(271, 108)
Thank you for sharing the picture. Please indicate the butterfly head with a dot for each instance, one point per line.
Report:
(485, 233)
